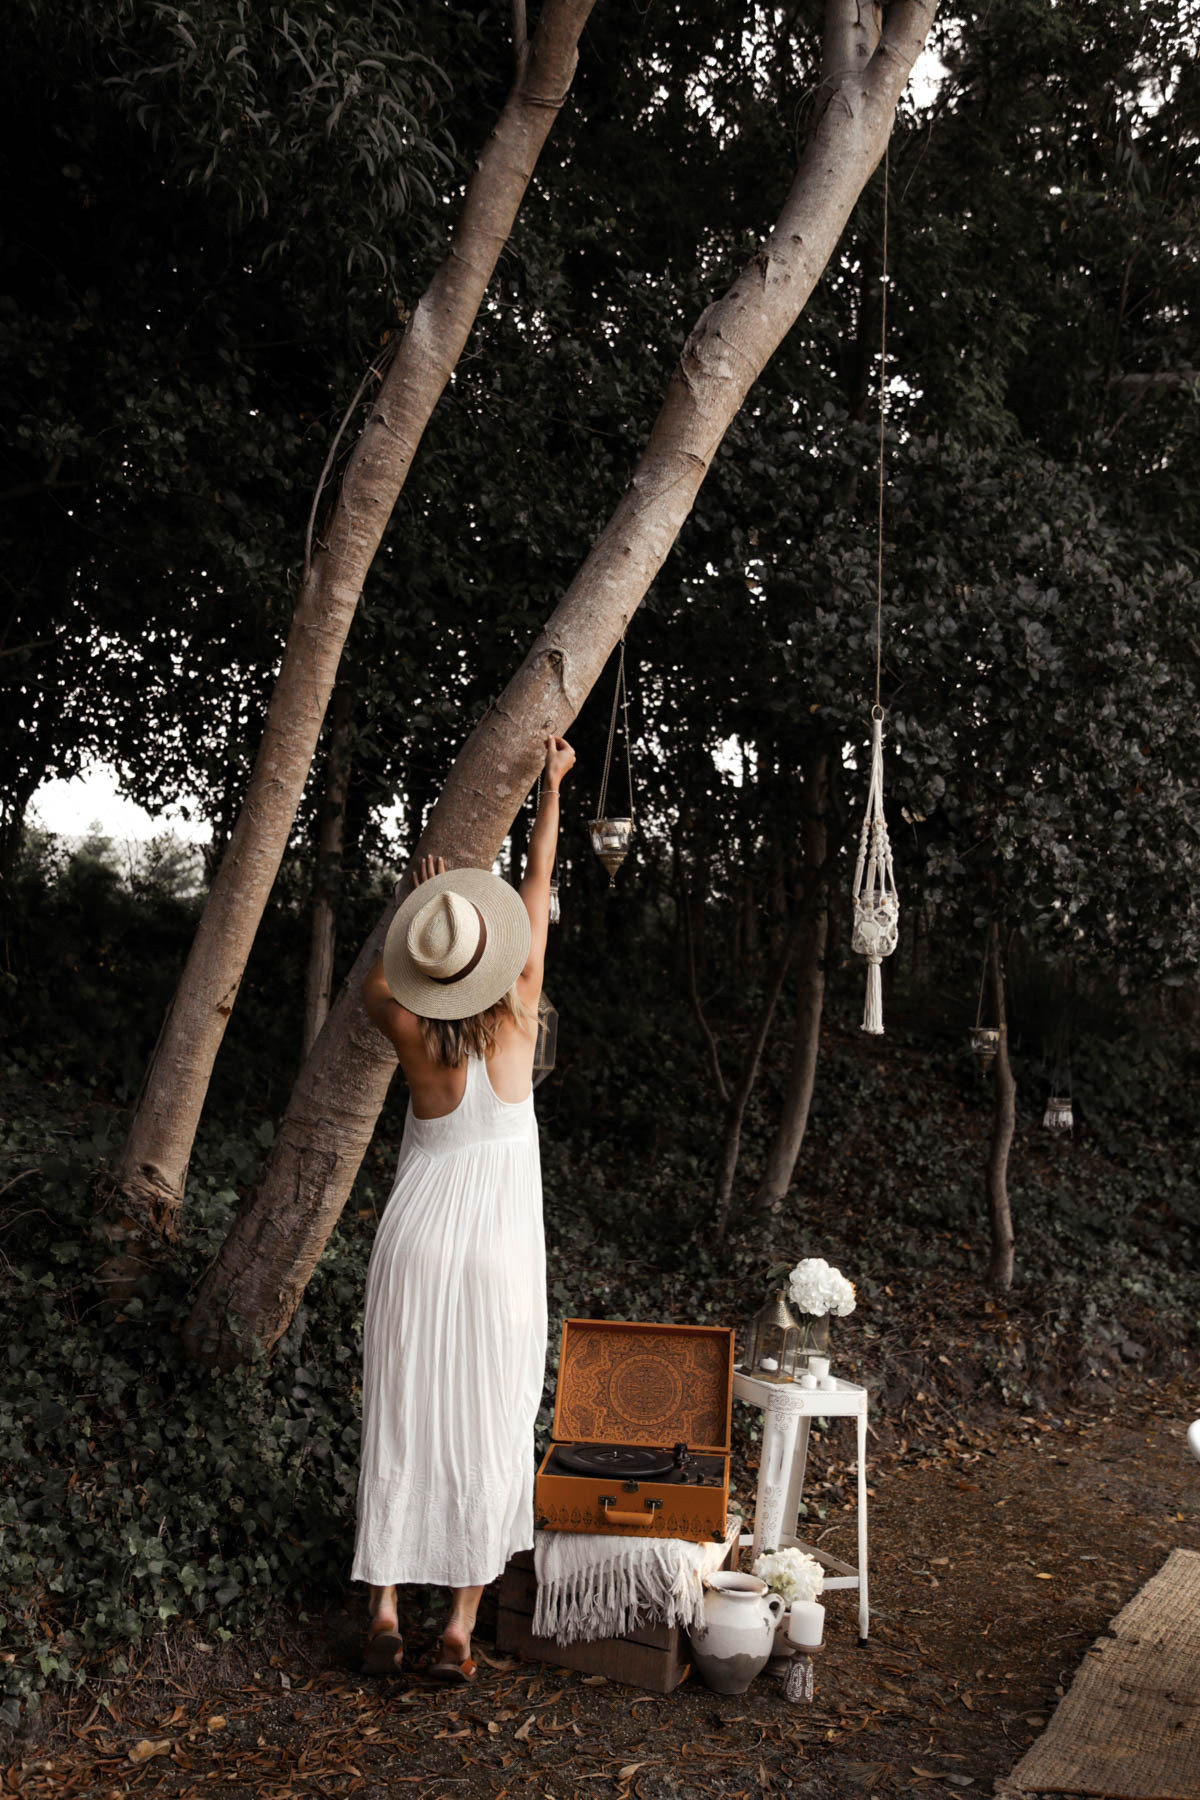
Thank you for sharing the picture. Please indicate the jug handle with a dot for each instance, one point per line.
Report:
(776, 1606)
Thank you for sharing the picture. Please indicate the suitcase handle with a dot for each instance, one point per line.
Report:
(613, 1517)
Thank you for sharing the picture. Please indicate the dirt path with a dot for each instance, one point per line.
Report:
(998, 1555)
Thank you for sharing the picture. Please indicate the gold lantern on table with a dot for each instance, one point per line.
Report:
(776, 1349)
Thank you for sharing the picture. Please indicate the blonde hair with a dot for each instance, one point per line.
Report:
(448, 1042)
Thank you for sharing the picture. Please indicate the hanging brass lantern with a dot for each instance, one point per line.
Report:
(547, 1039)
(985, 1042)
(1059, 1114)
(611, 839)
(775, 1352)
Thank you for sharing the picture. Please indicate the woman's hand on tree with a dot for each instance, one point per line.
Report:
(560, 759)
(427, 868)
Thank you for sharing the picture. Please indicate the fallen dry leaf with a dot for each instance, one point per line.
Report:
(145, 1748)
(521, 1734)
(217, 1722)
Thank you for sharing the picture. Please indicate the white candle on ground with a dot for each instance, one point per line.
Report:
(806, 1623)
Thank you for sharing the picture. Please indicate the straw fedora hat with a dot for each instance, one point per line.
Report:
(456, 944)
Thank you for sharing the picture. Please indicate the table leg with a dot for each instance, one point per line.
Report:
(780, 1420)
(864, 1612)
(795, 1489)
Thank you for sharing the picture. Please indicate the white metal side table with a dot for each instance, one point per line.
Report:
(788, 1411)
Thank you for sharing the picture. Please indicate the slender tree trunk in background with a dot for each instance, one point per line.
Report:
(327, 881)
(810, 992)
(683, 903)
(736, 1116)
(1000, 1268)
(261, 1272)
(148, 1181)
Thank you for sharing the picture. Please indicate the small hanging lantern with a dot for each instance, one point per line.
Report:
(985, 1043)
(547, 1039)
(776, 1352)
(612, 837)
(1059, 1114)
(876, 900)
(985, 1039)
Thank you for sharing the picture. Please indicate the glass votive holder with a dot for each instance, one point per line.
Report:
(818, 1366)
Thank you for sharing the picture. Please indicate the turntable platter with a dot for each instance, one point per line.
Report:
(628, 1462)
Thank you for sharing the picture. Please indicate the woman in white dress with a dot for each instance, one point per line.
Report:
(454, 1330)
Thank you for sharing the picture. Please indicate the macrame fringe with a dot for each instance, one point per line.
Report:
(873, 1011)
(615, 1598)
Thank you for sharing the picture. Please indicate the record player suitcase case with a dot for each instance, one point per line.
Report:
(650, 1406)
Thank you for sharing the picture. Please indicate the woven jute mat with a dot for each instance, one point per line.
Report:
(1129, 1728)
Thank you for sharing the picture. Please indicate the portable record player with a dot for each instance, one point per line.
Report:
(641, 1431)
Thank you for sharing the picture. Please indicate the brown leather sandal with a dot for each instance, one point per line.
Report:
(451, 1673)
(383, 1651)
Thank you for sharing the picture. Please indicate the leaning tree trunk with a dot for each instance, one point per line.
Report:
(253, 1288)
(1000, 1268)
(810, 993)
(148, 1181)
(327, 879)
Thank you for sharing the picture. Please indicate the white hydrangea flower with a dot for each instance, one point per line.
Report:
(816, 1288)
(790, 1573)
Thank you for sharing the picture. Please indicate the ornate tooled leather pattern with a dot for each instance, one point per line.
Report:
(643, 1387)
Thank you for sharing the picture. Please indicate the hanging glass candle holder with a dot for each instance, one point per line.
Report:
(776, 1351)
(547, 1039)
(985, 1042)
(1059, 1114)
(555, 914)
(611, 839)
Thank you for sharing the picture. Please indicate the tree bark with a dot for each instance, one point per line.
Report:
(150, 1175)
(1000, 1268)
(810, 992)
(732, 1146)
(327, 880)
(256, 1282)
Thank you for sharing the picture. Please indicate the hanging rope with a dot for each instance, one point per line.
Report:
(620, 706)
(876, 901)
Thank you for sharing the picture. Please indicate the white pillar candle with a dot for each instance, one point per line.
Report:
(808, 1381)
(818, 1365)
(806, 1623)
(769, 1364)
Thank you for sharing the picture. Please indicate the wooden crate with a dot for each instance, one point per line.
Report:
(655, 1658)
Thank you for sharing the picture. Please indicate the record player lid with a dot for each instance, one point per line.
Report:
(622, 1383)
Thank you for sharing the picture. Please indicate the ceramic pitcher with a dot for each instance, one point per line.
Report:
(733, 1644)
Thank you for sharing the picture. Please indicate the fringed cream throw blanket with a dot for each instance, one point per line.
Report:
(590, 1586)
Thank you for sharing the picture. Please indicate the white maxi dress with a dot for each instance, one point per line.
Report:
(454, 1347)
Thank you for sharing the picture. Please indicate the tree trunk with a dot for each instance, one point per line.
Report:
(262, 1270)
(1000, 1268)
(731, 1149)
(148, 1181)
(327, 880)
(810, 992)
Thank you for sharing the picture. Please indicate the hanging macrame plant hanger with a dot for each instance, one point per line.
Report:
(876, 899)
(612, 837)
